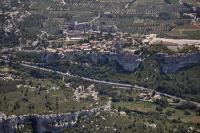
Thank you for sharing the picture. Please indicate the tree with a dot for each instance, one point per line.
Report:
(119, 108)
(187, 112)
(186, 105)
(16, 105)
(5, 98)
(162, 102)
(168, 112)
(159, 108)
(57, 105)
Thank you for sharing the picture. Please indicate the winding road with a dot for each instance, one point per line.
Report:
(75, 76)
(123, 86)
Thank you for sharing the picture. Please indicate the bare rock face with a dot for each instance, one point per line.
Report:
(129, 63)
(126, 62)
(53, 123)
(172, 64)
(41, 123)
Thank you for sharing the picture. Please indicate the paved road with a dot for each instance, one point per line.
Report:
(123, 86)
(76, 76)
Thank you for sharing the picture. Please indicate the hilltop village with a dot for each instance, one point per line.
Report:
(113, 66)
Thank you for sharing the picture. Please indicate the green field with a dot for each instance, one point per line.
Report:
(41, 96)
(114, 122)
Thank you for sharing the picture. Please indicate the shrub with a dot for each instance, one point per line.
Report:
(187, 112)
(159, 108)
(162, 102)
(186, 105)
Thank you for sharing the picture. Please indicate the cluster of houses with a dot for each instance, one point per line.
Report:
(8, 76)
(149, 96)
(82, 92)
(103, 45)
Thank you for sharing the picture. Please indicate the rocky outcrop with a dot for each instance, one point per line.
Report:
(172, 64)
(54, 123)
(129, 63)
(126, 62)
